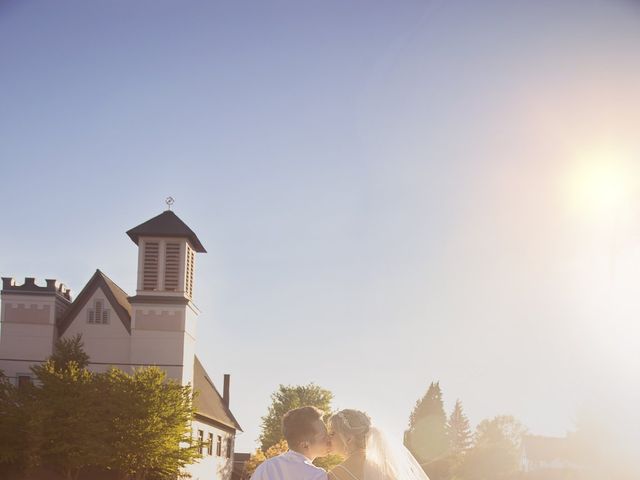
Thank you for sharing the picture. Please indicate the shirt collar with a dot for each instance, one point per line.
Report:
(299, 456)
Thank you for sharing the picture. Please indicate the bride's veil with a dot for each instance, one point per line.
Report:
(389, 460)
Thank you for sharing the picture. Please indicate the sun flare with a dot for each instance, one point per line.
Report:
(602, 183)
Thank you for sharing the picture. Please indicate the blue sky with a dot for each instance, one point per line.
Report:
(383, 188)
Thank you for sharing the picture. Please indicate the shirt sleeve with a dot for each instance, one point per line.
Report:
(322, 475)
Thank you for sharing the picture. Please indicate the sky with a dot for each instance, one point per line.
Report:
(390, 192)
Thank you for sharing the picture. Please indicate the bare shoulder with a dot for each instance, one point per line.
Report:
(340, 472)
(334, 473)
(350, 469)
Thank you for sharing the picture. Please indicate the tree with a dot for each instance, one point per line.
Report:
(14, 440)
(458, 431)
(150, 424)
(496, 451)
(426, 437)
(66, 422)
(68, 350)
(138, 425)
(286, 398)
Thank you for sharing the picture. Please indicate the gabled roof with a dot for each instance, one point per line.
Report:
(167, 224)
(208, 401)
(116, 296)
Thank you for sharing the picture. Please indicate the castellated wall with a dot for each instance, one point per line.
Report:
(28, 322)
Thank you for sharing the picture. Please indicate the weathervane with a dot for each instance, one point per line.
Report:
(169, 201)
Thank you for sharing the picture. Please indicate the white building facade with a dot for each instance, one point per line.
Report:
(156, 326)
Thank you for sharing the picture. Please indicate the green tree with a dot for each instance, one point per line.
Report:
(149, 424)
(459, 431)
(137, 425)
(68, 350)
(65, 419)
(14, 440)
(496, 451)
(426, 437)
(286, 398)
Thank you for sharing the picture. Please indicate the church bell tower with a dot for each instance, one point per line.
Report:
(163, 328)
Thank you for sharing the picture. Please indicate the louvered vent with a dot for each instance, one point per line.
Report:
(189, 272)
(172, 267)
(150, 266)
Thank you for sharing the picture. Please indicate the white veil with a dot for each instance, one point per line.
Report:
(387, 459)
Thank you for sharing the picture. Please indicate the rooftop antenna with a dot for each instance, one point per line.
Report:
(169, 201)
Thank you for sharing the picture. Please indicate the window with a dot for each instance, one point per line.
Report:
(98, 314)
(189, 273)
(219, 446)
(24, 380)
(229, 447)
(210, 445)
(172, 266)
(150, 266)
(201, 439)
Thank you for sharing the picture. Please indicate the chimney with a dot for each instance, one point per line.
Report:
(225, 390)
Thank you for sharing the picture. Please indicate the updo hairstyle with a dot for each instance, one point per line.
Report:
(352, 426)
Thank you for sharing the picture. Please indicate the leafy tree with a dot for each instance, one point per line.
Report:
(426, 437)
(68, 350)
(13, 428)
(496, 451)
(459, 431)
(66, 420)
(150, 424)
(286, 398)
(138, 425)
(329, 461)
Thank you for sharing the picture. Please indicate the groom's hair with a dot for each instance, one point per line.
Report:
(298, 424)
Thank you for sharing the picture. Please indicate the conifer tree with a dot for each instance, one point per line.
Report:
(67, 350)
(427, 437)
(459, 431)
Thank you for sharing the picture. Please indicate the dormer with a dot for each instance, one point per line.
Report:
(166, 256)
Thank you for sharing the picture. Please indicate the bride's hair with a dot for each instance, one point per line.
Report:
(351, 423)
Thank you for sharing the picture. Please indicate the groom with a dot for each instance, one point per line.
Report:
(307, 436)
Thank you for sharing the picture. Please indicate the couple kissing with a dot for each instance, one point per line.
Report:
(369, 453)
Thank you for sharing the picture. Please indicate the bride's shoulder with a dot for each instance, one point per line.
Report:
(337, 473)
(347, 470)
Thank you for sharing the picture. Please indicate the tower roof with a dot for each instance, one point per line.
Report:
(167, 224)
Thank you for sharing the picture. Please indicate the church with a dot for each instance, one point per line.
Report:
(156, 326)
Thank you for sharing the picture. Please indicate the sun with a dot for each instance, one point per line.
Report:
(602, 183)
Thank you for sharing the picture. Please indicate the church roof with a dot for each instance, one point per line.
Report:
(167, 224)
(116, 296)
(208, 401)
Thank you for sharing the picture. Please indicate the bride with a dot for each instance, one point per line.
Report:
(371, 455)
